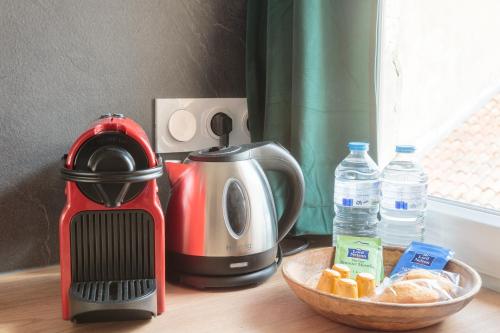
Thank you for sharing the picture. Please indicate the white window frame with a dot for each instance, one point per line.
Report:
(473, 232)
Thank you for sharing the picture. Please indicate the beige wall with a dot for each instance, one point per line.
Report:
(439, 62)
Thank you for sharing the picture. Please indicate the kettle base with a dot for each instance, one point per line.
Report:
(225, 281)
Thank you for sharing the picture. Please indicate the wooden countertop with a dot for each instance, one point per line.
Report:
(29, 302)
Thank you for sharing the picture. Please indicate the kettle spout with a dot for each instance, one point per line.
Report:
(175, 170)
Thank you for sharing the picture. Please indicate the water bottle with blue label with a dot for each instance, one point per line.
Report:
(403, 199)
(356, 194)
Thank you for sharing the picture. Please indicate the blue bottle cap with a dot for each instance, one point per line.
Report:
(405, 149)
(358, 146)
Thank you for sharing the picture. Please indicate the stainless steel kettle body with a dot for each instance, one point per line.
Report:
(221, 217)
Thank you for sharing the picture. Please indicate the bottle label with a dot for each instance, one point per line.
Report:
(359, 193)
(403, 197)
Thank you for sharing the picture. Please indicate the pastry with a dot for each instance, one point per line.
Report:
(418, 274)
(407, 291)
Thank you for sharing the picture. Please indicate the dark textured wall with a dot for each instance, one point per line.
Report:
(63, 63)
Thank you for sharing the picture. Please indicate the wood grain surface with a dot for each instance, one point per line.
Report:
(29, 302)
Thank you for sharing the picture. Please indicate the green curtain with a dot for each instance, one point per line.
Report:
(311, 73)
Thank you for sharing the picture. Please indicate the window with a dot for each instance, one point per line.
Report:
(465, 164)
(439, 88)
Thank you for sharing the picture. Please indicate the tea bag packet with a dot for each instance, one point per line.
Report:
(361, 255)
(422, 256)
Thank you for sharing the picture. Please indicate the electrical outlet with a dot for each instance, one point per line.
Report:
(184, 124)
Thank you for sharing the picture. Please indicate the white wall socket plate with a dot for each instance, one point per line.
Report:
(183, 124)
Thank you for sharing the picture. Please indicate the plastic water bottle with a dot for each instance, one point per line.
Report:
(356, 194)
(403, 199)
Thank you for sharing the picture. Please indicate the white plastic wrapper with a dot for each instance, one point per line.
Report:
(419, 286)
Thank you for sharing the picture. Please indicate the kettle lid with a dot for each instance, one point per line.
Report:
(222, 154)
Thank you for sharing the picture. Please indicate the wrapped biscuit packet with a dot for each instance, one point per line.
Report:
(360, 255)
(419, 286)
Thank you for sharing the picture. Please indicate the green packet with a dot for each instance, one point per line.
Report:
(361, 255)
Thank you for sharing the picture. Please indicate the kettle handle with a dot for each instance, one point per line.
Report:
(273, 156)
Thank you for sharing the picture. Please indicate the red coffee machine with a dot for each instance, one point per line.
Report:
(112, 229)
